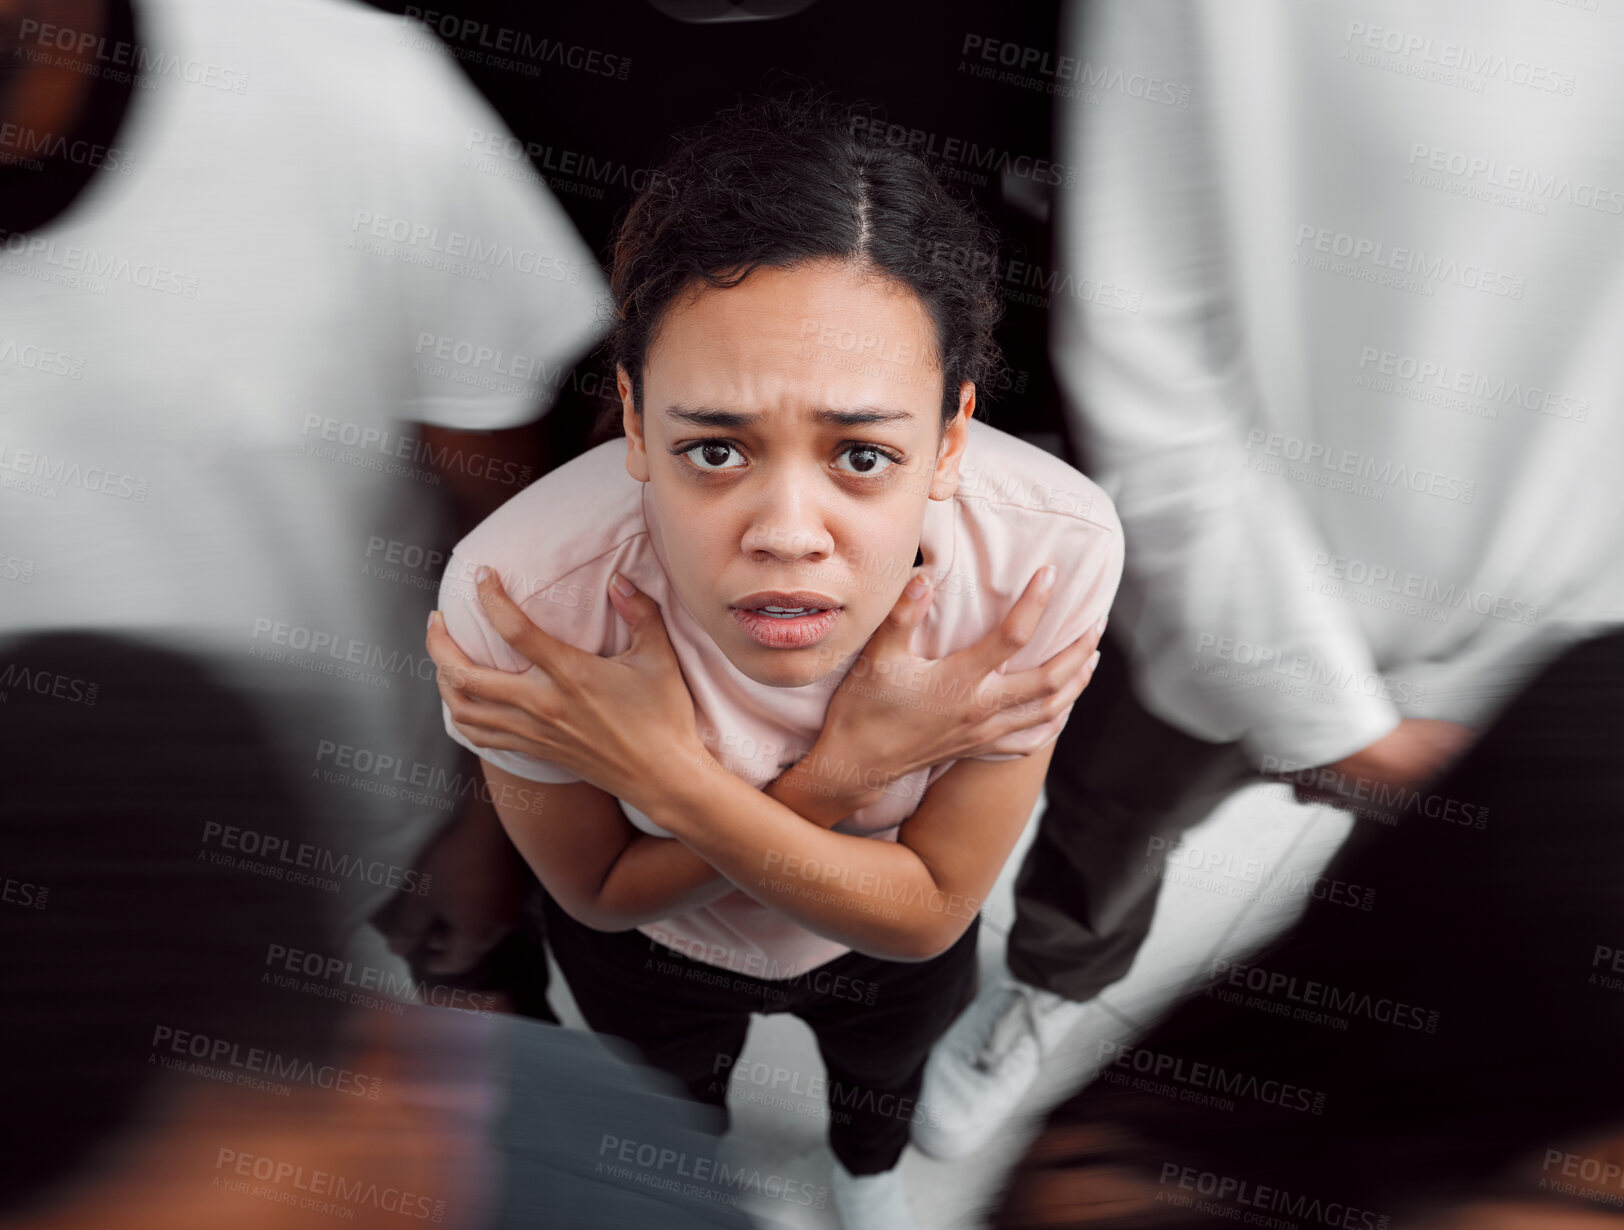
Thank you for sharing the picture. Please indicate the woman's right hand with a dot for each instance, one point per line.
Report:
(895, 712)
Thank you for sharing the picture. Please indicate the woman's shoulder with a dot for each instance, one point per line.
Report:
(553, 545)
(1016, 509)
(584, 511)
(1002, 472)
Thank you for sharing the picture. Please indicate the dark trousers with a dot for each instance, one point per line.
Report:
(1087, 890)
(875, 1022)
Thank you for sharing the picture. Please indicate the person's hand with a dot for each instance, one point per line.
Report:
(1410, 755)
(476, 882)
(895, 712)
(616, 722)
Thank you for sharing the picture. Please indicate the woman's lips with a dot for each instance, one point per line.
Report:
(786, 631)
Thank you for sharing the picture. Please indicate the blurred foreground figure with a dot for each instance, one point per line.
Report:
(1448, 1059)
(258, 328)
(1346, 285)
(184, 1051)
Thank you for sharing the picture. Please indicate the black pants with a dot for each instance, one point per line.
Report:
(1087, 890)
(875, 1022)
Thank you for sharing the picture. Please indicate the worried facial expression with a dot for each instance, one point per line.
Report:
(791, 437)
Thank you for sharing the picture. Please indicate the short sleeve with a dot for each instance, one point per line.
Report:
(1088, 555)
(471, 628)
(498, 294)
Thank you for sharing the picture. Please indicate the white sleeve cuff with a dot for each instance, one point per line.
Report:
(1298, 740)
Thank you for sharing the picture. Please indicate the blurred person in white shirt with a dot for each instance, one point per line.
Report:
(1339, 338)
(264, 338)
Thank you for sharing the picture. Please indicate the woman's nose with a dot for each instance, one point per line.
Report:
(790, 525)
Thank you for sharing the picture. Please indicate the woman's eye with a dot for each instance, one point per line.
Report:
(866, 459)
(713, 455)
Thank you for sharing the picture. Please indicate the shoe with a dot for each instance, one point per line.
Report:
(871, 1201)
(986, 1063)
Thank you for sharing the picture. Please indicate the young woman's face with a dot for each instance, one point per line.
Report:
(790, 437)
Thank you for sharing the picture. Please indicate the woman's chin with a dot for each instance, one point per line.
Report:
(787, 668)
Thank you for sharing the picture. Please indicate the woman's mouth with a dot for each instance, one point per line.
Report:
(786, 621)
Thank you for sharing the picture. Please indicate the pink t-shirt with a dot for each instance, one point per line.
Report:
(555, 544)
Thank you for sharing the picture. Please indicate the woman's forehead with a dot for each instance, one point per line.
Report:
(799, 340)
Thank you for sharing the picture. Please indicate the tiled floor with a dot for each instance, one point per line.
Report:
(1236, 880)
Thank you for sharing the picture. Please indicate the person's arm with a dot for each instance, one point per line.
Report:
(530, 708)
(653, 877)
(906, 900)
(476, 883)
(603, 872)
(612, 877)
(1164, 401)
(608, 875)
(627, 723)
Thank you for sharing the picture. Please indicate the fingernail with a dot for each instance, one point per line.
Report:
(623, 587)
(1100, 627)
(918, 585)
(481, 575)
(432, 614)
(1093, 661)
(1046, 576)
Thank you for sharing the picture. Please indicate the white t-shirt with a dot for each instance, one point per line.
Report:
(1341, 340)
(210, 366)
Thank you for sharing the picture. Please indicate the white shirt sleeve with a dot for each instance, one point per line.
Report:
(497, 293)
(1223, 636)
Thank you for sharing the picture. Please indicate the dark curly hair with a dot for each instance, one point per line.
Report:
(782, 181)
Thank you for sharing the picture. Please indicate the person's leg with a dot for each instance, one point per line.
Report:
(875, 1053)
(874, 1045)
(1122, 787)
(687, 1018)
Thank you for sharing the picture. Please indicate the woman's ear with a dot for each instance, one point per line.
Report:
(945, 481)
(636, 446)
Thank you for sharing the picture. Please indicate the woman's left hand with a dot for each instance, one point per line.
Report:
(895, 713)
(616, 722)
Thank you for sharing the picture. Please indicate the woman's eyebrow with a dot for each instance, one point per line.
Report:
(711, 418)
(707, 417)
(867, 414)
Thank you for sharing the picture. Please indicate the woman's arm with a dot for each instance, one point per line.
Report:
(627, 723)
(906, 900)
(604, 872)
(599, 867)
(875, 730)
